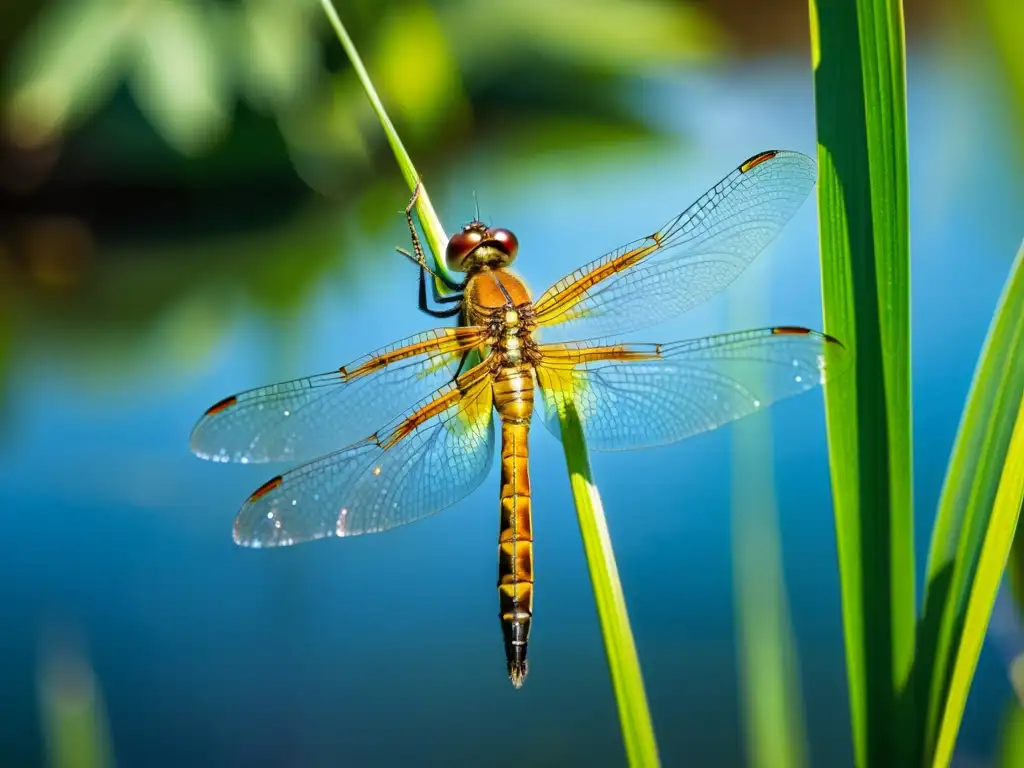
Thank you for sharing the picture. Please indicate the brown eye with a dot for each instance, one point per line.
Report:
(459, 247)
(506, 240)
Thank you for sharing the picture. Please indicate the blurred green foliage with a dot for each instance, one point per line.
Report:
(1004, 21)
(766, 647)
(190, 65)
(1011, 748)
(75, 729)
(189, 145)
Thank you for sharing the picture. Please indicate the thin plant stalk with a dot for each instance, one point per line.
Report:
(974, 526)
(623, 662)
(991, 563)
(436, 236)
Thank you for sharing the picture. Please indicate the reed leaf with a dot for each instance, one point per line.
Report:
(974, 527)
(859, 89)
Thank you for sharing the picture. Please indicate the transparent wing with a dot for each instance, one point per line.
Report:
(422, 462)
(639, 395)
(306, 418)
(692, 258)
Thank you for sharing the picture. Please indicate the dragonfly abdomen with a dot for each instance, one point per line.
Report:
(513, 397)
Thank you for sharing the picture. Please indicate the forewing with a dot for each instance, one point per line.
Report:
(693, 257)
(639, 395)
(302, 419)
(422, 462)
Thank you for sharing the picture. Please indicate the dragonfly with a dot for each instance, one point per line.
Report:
(409, 429)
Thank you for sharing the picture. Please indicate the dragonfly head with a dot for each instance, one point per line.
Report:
(478, 245)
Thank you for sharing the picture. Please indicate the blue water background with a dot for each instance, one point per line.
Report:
(338, 652)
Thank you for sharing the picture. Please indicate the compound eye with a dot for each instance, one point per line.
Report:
(508, 242)
(460, 246)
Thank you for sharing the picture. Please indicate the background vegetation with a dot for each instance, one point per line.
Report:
(168, 166)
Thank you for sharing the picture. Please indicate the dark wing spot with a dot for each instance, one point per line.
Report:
(796, 330)
(756, 160)
(791, 330)
(266, 488)
(224, 404)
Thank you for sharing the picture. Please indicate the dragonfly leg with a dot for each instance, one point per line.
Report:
(420, 260)
(423, 304)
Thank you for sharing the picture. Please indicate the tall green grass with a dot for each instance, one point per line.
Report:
(623, 662)
(857, 50)
(908, 674)
(974, 529)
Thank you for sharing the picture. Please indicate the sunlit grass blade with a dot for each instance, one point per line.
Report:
(434, 231)
(859, 88)
(627, 682)
(623, 663)
(977, 513)
(990, 566)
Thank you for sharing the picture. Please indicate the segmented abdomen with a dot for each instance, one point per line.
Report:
(513, 397)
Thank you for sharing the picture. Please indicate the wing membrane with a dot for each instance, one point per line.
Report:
(693, 257)
(422, 462)
(306, 418)
(639, 395)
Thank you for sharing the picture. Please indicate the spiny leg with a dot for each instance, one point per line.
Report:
(420, 260)
(424, 270)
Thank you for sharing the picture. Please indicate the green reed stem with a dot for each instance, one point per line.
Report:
(436, 236)
(627, 681)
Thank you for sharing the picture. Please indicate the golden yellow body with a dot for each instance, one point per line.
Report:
(439, 442)
(498, 298)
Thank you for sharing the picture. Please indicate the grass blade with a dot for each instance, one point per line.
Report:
(991, 563)
(976, 510)
(627, 682)
(436, 236)
(623, 663)
(859, 86)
